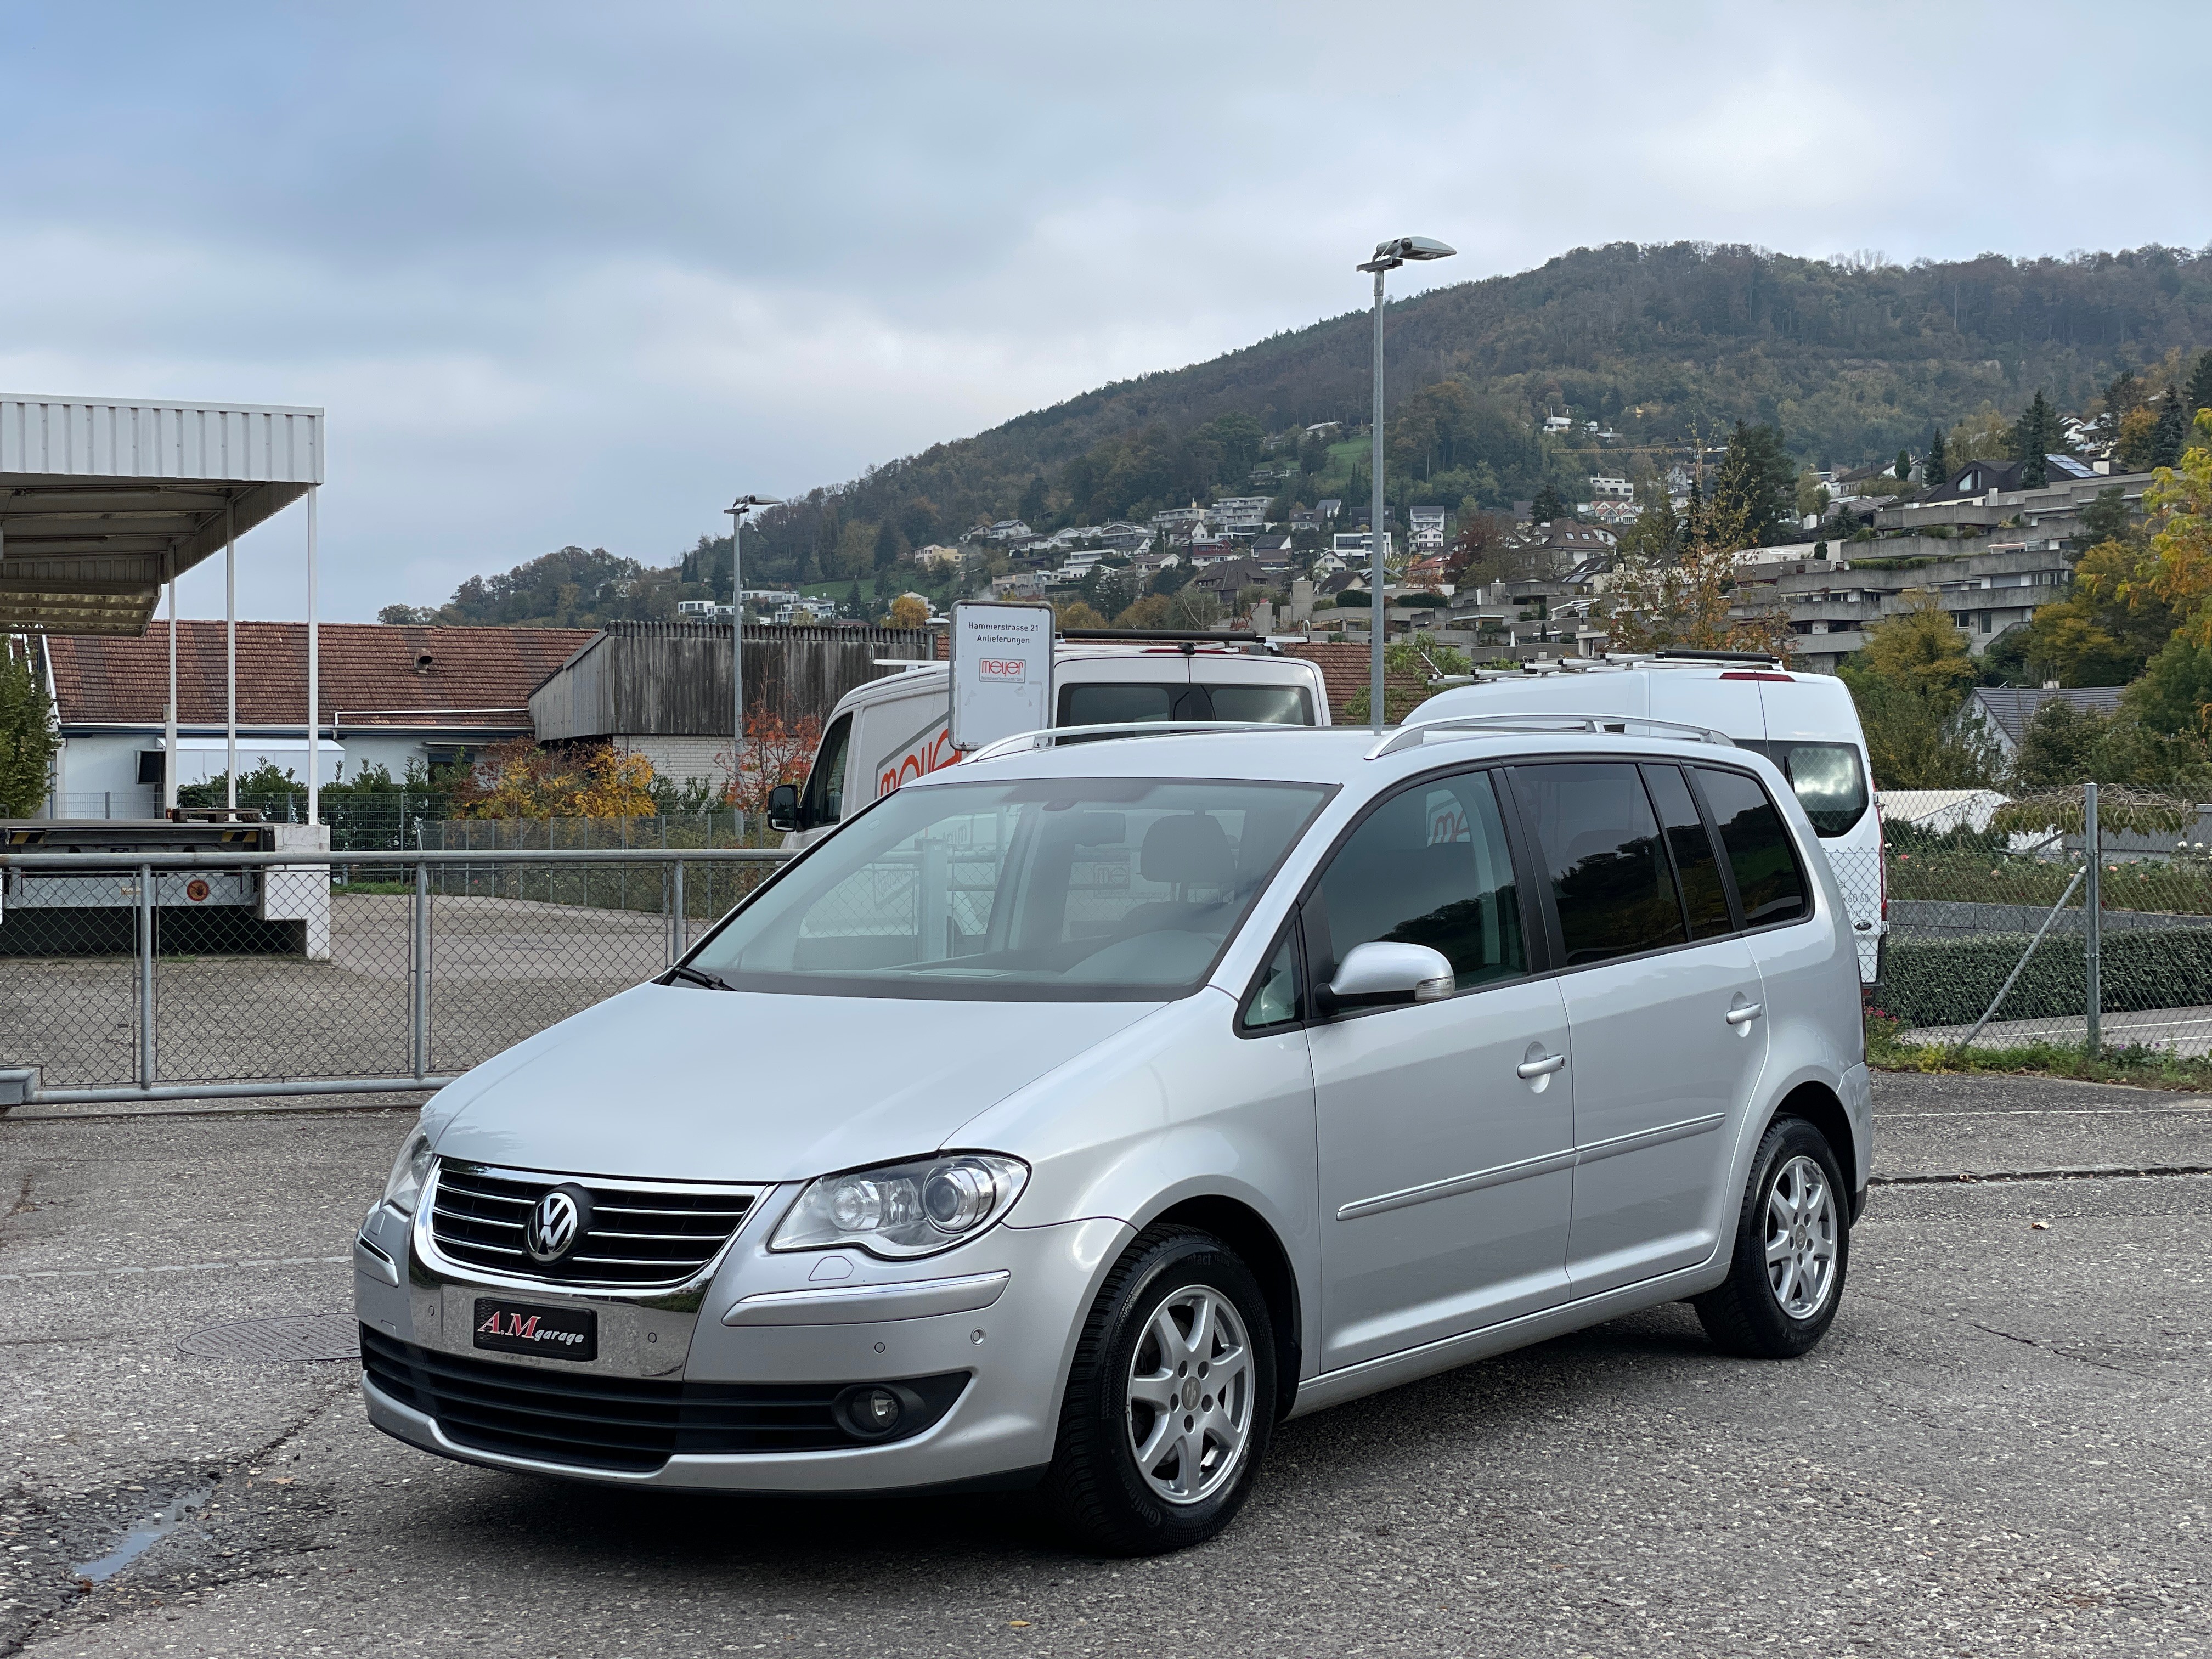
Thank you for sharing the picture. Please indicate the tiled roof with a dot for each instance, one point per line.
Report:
(365, 665)
(1344, 671)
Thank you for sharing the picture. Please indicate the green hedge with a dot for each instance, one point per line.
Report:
(1950, 981)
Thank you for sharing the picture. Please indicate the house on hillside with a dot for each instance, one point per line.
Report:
(392, 697)
(1979, 478)
(1426, 528)
(1240, 515)
(2002, 713)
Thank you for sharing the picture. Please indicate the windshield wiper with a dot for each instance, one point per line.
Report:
(692, 976)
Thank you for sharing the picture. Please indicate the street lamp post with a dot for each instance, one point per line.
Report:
(1388, 256)
(736, 510)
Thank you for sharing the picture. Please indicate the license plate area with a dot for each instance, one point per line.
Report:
(533, 1327)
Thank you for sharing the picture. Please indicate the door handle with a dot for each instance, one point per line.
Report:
(1745, 1015)
(1544, 1067)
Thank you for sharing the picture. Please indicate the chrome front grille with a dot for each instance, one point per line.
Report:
(643, 1234)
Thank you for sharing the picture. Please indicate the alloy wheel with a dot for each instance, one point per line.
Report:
(1800, 1238)
(1190, 1395)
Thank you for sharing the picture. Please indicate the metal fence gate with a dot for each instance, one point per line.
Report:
(158, 978)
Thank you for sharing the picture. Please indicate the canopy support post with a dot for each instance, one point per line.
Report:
(230, 655)
(169, 718)
(314, 677)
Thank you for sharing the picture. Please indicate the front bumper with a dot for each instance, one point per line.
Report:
(880, 1321)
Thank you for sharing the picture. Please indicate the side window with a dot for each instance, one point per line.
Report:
(1696, 867)
(1768, 883)
(1275, 1002)
(1599, 843)
(1431, 867)
(1277, 705)
(825, 784)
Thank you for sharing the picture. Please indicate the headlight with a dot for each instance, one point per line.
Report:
(409, 1171)
(904, 1209)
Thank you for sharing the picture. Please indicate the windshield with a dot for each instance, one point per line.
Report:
(1830, 783)
(1043, 890)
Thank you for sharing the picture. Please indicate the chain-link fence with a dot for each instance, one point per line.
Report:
(2081, 918)
(182, 975)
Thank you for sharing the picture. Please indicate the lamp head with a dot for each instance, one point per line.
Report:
(1389, 255)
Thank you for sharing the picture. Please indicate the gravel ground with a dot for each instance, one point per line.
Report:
(2001, 1448)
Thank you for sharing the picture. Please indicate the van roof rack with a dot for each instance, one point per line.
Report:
(1475, 725)
(1674, 655)
(1046, 737)
(1202, 635)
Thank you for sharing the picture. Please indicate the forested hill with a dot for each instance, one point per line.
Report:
(1851, 360)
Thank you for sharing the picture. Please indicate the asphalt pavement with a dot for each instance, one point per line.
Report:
(2001, 1448)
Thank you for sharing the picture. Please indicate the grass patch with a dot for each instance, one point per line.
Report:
(2146, 1068)
(373, 887)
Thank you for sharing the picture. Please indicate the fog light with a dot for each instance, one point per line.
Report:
(872, 1412)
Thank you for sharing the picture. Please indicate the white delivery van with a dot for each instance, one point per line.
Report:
(1806, 724)
(892, 731)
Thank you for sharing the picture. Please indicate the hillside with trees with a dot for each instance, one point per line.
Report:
(1662, 347)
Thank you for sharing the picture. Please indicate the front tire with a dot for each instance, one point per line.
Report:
(1170, 1400)
(1792, 1247)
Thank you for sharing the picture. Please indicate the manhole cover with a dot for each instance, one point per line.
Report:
(289, 1338)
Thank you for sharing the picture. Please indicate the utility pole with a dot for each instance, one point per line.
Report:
(1388, 256)
(736, 510)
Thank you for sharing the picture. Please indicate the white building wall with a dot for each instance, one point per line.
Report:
(680, 759)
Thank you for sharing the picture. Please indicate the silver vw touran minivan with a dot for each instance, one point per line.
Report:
(1074, 1115)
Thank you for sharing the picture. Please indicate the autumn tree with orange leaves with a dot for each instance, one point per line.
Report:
(517, 779)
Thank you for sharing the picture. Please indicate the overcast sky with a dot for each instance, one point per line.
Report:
(580, 273)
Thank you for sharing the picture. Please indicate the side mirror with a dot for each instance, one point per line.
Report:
(1380, 975)
(783, 808)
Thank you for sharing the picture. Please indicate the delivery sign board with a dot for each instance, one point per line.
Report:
(1002, 671)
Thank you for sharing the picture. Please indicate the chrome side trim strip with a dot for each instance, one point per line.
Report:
(860, 1304)
(1600, 1150)
(1498, 1175)
(1452, 1186)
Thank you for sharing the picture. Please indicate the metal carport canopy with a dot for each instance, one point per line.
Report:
(104, 500)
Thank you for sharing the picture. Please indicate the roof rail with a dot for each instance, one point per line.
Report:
(1674, 655)
(1412, 737)
(1028, 742)
(1164, 635)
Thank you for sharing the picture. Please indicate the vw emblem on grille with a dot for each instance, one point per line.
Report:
(558, 1225)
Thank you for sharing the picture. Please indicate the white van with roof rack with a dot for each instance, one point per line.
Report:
(1806, 724)
(892, 731)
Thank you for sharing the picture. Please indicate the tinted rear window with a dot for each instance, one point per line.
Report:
(1599, 843)
(1696, 864)
(1829, 778)
(1768, 882)
(1116, 705)
(1277, 705)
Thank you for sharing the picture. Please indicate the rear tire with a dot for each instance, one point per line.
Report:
(1792, 1248)
(1170, 1400)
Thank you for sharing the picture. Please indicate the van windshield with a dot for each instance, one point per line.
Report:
(1060, 890)
(1830, 783)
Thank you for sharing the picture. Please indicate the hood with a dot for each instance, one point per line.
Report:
(688, 1084)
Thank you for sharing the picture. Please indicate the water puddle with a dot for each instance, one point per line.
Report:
(143, 1536)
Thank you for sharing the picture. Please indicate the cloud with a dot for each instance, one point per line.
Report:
(567, 272)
